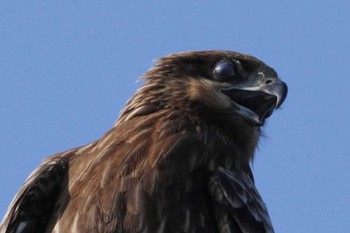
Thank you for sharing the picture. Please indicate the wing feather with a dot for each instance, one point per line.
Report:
(32, 206)
(238, 207)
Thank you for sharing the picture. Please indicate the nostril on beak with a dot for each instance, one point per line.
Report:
(268, 81)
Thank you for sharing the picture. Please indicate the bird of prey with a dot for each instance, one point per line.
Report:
(177, 159)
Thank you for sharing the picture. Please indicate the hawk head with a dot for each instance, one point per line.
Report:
(206, 84)
(224, 90)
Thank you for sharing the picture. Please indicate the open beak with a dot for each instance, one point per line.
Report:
(255, 104)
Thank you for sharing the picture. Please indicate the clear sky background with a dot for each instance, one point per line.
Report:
(68, 67)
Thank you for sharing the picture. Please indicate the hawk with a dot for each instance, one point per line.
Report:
(177, 159)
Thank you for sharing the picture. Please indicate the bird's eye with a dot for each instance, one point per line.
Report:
(226, 71)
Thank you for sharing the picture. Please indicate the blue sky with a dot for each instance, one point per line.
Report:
(67, 68)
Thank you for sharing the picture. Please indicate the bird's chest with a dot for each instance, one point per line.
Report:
(165, 191)
(182, 206)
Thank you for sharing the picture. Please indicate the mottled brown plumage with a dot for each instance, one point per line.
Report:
(177, 159)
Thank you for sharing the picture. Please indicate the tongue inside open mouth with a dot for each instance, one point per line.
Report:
(254, 106)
